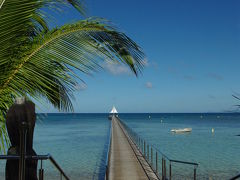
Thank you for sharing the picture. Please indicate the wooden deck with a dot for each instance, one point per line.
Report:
(126, 162)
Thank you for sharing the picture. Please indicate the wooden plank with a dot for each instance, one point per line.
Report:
(125, 161)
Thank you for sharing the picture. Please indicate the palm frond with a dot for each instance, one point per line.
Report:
(48, 68)
(79, 5)
(1, 3)
(40, 63)
(20, 22)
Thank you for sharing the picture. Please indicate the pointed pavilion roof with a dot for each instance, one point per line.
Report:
(114, 110)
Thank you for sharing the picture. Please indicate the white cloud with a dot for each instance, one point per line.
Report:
(116, 68)
(150, 64)
(148, 85)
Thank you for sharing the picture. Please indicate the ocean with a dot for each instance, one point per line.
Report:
(78, 142)
(218, 153)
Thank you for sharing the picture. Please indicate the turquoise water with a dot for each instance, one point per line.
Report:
(218, 153)
(79, 142)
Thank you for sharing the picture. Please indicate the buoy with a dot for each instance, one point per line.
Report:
(149, 117)
(212, 130)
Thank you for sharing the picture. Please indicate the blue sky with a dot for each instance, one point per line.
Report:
(192, 50)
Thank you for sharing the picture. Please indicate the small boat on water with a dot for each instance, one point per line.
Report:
(184, 130)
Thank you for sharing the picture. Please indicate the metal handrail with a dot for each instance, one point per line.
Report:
(147, 150)
(16, 157)
(58, 167)
(235, 177)
(133, 132)
(183, 162)
(37, 157)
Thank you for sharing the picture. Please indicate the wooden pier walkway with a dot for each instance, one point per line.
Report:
(126, 162)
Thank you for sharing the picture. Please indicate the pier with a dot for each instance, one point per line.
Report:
(130, 156)
(125, 159)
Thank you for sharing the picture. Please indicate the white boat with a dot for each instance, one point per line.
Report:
(182, 130)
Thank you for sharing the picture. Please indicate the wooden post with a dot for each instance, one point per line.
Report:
(195, 173)
(144, 149)
(151, 156)
(170, 171)
(22, 161)
(156, 162)
(147, 152)
(20, 123)
(41, 172)
(165, 173)
(162, 169)
(138, 142)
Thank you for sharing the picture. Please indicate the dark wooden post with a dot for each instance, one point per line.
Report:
(156, 163)
(147, 152)
(22, 151)
(170, 171)
(195, 173)
(41, 171)
(151, 156)
(144, 154)
(163, 169)
(165, 173)
(20, 123)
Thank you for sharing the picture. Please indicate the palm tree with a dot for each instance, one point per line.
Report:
(41, 63)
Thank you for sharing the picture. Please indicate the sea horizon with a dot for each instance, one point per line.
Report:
(139, 113)
(88, 134)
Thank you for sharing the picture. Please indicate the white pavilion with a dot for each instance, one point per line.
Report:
(113, 112)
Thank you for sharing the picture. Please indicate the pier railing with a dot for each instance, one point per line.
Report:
(23, 156)
(41, 158)
(164, 167)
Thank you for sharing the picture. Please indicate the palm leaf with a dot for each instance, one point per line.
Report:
(40, 63)
(20, 22)
(49, 67)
